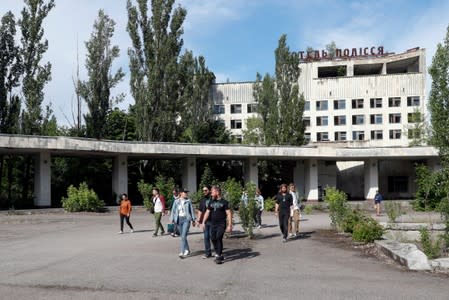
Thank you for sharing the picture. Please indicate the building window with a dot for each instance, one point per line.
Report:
(358, 135)
(236, 108)
(395, 134)
(357, 103)
(340, 136)
(219, 109)
(397, 184)
(394, 102)
(321, 121)
(375, 102)
(414, 133)
(377, 135)
(339, 104)
(321, 105)
(236, 124)
(376, 119)
(322, 136)
(307, 137)
(306, 105)
(358, 120)
(413, 101)
(306, 121)
(414, 117)
(252, 108)
(394, 118)
(339, 120)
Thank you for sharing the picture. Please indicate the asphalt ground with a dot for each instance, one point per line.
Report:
(59, 255)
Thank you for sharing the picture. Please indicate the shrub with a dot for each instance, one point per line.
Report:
(430, 189)
(367, 231)
(145, 189)
(269, 204)
(444, 210)
(338, 207)
(431, 248)
(246, 212)
(352, 218)
(81, 199)
(232, 191)
(308, 209)
(393, 210)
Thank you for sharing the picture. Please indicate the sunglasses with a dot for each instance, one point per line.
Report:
(205, 190)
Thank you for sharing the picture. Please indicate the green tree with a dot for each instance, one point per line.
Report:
(10, 72)
(120, 125)
(331, 49)
(418, 131)
(36, 75)
(195, 101)
(156, 44)
(96, 91)
(439, 99)
(280, 104)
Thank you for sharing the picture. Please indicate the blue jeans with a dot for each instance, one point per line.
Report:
(206, 233)
(184, 225)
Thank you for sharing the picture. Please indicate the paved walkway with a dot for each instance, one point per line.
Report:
(81, 256)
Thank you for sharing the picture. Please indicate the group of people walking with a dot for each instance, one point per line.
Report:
(214, 216)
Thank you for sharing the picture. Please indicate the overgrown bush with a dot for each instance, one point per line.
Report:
(269, 204)
(308, 209)
(430, 189)
(145, 190)
(444, 210)
(338, 208)
(246, 212)
(232, 191)
(352, 218)
(431, 248)
(367, 231)
(81, 199)
(393, 210)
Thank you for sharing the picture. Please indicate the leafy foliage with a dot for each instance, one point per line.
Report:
(269, 204)
(246, 212)
(232, 191)
(393, 210)
(352, 218)
(430, 189)
(81, 199)
(280, 104)
(338, 208)
(96, 91)
(439, 99)
(431, 248)
(367, 231)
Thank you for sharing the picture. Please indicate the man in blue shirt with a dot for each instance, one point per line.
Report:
(377, 200)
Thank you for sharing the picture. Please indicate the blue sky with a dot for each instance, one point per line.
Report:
(238, 37)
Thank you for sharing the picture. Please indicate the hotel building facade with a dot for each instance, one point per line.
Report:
(362, 98)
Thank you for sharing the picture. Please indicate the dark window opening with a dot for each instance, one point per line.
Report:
(334, 71)
(397, 184)
(367, 69)
(409, 65)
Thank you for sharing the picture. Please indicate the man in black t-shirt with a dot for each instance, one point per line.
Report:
(204, 203)
(218, 212)
(284, 203)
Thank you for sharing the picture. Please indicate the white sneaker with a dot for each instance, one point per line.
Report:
(187, 252)
(132, 230)
(120, 232)
(181, 254)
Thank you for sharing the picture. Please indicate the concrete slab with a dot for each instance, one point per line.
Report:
(405, 253)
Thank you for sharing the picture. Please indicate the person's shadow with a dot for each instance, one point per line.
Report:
(242, 253)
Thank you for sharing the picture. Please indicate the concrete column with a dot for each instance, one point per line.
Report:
(299, 178)
(251, 171)
(189, 174)
(42, 180)
(311, 179)
(384, 69)
(120, 175)
(371, 178)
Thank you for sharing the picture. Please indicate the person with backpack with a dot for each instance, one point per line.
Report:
(204, 203)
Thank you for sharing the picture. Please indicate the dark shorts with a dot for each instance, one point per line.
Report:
(377, 202)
